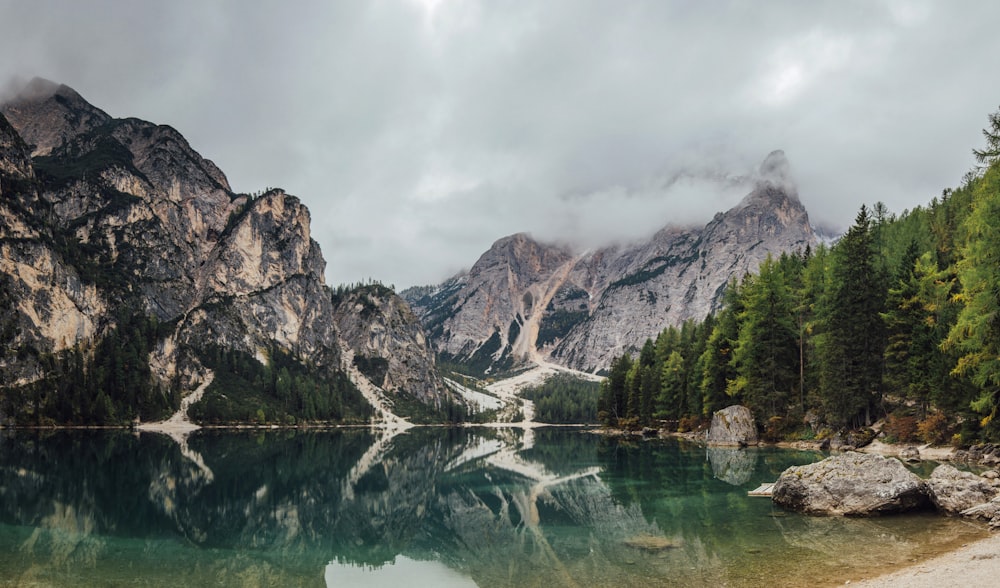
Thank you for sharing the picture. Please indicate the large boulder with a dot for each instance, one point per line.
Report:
(734, 426)
(953, 491)
(851, 484)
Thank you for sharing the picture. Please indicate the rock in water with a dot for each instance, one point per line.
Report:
(989, 511)
(852, 484)
(733, 425)
(953, 491)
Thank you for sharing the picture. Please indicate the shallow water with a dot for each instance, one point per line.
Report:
(441, 507)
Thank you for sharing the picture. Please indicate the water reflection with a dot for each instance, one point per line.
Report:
(443, 506)
(733, 465)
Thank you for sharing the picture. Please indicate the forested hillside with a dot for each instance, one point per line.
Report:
(899, 319)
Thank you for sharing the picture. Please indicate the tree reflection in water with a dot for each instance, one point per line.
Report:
(489, 507)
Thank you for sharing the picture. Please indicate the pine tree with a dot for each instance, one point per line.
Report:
(909, 343)
(852, 342)
(716, 361)
(671, 387)
(976, 334)
(991, 154)
(767, 349)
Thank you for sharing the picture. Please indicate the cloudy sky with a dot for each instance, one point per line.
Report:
(420, 131)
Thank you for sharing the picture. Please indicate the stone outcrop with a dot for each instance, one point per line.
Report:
(388, 343)
(590, 307)
(953, 491)
(851, 484)
(102, 217)
(989, 512)
(488, 315)
(733, 426)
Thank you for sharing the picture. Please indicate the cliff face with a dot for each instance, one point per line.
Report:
(592, 307)
(104, 218)
(44, 305)
(389, 344)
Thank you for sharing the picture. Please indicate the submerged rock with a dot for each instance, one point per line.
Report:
(953, 491)
(733, 425)
(651, 543)
(852, 484)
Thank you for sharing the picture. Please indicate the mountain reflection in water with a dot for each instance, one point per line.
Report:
(446, 507)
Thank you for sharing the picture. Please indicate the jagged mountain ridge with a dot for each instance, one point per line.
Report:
(527, 300)
(102, 214)
(388, 342)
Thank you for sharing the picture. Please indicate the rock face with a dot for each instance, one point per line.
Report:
(953, 491)
(584, 308)
(851, 484)
(106, 218)
(733, 425)
(491, 315)
(388, 343)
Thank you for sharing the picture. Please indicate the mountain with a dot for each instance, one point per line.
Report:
(528, 300)
(131, 272)
(388, 344)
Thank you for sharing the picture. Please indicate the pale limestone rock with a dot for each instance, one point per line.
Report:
(988, 511)
(953, 491)
(851, 484)
(221, 268)
(734, 426)
(389, 344)
(597, 305)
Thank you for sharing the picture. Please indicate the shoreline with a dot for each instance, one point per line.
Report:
(973, 564)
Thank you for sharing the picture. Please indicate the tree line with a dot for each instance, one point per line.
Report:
(900, 319)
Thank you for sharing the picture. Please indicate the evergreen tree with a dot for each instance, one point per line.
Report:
(716, 361)
(976, 334)
(613, 399)
(852, 342)
(767, 349)
(909, 340)
(991, 154)
(671, 388)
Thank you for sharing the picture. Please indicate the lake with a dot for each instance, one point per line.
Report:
(431, 507)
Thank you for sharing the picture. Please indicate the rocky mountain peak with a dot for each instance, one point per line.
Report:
(773, 183)
(581, 309)
(775, 169)
(113, 227)
(388, 344)
(522, 255)
(47, 114)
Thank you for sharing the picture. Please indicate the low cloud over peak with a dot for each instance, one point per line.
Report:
(419, 133)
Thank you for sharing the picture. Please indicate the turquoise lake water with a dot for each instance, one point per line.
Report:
(430, 507)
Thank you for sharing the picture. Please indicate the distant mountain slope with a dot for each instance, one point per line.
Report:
(523, 297)
(116, 233)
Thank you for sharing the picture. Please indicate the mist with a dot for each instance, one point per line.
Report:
(420, 132)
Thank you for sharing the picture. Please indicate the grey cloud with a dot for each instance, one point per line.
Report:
(418, 137)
